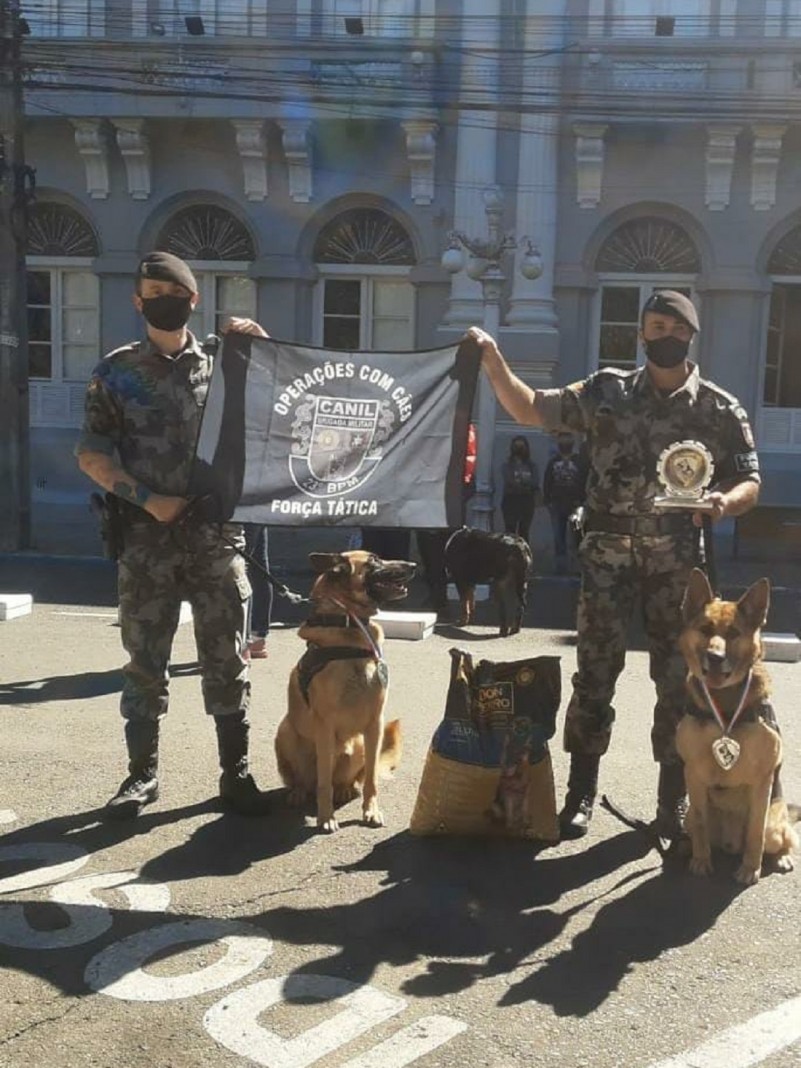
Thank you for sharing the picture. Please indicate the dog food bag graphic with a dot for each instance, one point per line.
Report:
(488, 770)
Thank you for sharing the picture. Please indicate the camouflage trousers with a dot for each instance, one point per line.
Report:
(159, 567)
(616, 570)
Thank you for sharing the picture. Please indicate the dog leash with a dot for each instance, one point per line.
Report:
(643, 828)
(197, 505)
(725, 749)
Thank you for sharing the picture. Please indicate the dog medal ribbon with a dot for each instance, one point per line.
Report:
(381, 666)
(684, 470)
(725, 749)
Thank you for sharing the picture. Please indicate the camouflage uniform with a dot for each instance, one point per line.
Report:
(146, 407)
(627, 423)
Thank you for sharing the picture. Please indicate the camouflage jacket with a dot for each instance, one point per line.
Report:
(628, 423)
(146, 408)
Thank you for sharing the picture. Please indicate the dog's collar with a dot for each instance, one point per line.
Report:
(330, 619)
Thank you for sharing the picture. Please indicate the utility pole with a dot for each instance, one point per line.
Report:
(15, 501)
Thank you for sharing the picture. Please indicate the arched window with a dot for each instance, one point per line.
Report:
(640, 256)
(63, 299)
(364, 298)
(206, 232)
(220, 250)
(779, 421)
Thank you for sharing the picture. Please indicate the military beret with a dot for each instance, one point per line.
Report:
(669, 302)
(164, 267)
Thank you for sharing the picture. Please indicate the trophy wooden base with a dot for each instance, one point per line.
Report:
(683, 504)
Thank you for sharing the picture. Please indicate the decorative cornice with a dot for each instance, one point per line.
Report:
(134, 145)
(589, 162)
(251, 144)
(721, 149)
(765, 155)
(92, 143)
(421, 151)
(296, 139)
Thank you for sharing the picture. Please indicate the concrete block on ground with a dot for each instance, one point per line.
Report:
(786, 647)
(13, 605)
(414, 626)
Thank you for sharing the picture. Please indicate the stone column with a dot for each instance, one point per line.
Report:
(531, 308)
(476, 150)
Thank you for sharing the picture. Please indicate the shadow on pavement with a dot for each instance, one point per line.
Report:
(447, 898)
(440, 900)
(78, 687)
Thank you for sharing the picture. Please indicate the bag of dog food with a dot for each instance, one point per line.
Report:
(488, 770)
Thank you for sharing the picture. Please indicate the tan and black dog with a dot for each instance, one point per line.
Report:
(333, 739)
(730, 772)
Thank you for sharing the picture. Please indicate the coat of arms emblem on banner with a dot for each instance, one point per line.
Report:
(337, 443)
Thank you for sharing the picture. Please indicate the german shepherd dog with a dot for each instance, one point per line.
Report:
(503, 561)
(333, 739)
(729, 782)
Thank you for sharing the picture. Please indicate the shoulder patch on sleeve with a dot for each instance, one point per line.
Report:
(745, 426)
(746, 462)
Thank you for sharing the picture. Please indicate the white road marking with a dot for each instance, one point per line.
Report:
(68, 858)
(87, 615)
(234, 1021)
(88, 918)
(410, 1043)
(746, 1044)
(118, 969)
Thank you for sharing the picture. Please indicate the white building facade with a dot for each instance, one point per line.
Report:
(309, 157)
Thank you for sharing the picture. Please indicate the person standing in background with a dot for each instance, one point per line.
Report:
(563, 492)
(260, 608)
(521, 486)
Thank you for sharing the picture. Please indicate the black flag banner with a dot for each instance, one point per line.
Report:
(300, 436)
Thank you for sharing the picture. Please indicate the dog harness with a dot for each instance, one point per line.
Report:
(317, 657)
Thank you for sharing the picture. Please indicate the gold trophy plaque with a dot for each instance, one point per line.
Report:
(684, 470)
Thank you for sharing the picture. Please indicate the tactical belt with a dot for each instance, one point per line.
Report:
(639, 525)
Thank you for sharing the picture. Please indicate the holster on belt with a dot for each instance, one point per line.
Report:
(112, 527)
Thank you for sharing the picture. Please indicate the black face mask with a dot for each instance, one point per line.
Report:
(666, 351)
(167, 312)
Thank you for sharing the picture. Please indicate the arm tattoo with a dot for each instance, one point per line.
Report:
(136, 493)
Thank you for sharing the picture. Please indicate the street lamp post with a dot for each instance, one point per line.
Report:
(484, 264)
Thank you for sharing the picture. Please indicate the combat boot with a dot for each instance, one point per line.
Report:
(141, 787)
(582, 786)
(671, 802)
(237, 787)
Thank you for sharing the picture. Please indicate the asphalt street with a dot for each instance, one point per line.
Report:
(192, 938)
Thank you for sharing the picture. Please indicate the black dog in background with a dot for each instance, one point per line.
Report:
(502, 560)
